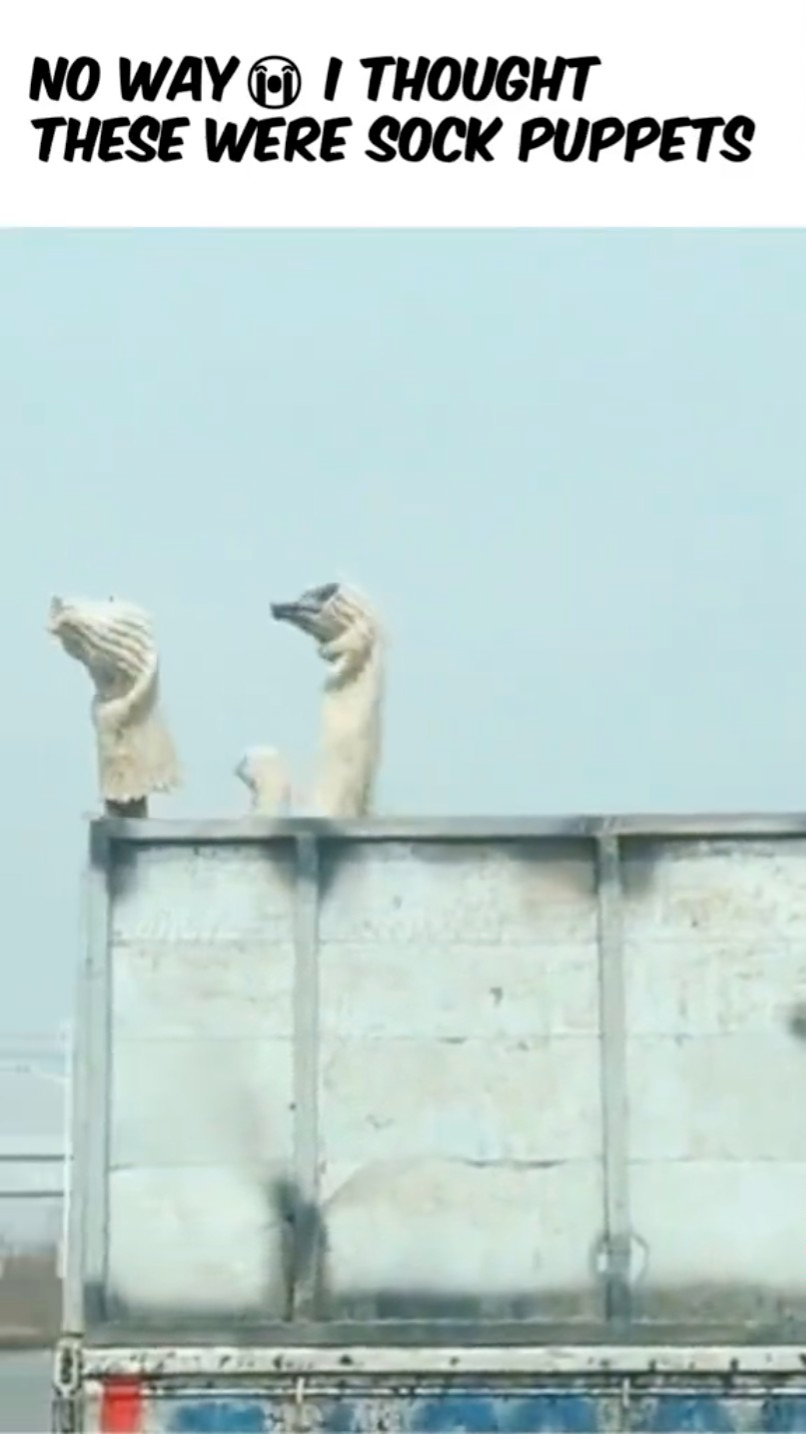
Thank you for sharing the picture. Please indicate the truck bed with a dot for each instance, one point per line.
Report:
(527, 1086)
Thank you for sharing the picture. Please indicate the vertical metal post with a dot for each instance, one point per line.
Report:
(91, 1135)
(305, 1213)
(68, 1055)
(613, 1047)
(85, 1154)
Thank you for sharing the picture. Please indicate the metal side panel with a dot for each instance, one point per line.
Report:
(417, 1405)
(200, 1144)
(615, 1389)
(715, 952)
(458, 1084)
(454, 1408)
(548, 1075)
(349, 1080)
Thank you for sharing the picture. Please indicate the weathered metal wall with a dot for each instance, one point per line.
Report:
(457, 1102)
(553, 1079)
(202, 1060)
(715, 961)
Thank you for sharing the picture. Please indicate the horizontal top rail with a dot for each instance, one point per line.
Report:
(382, 829)
(529, 1358)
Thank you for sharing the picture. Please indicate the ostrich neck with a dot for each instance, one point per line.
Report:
(350, 741)
(350, 707)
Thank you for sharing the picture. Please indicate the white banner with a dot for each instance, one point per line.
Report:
(595, 113)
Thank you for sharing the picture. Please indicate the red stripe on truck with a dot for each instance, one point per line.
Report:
(121, 1406)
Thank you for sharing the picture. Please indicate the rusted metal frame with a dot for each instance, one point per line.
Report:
(613, 1076)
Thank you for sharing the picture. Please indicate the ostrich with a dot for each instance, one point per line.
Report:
(349, 640)
(113, 640)
(262, 771)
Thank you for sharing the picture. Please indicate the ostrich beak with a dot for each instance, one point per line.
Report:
(306, 609)
(286, 611)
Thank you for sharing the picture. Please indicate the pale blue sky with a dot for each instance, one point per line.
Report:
(570, 466)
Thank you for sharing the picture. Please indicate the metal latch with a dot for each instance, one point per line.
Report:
(66, 1386)
(67, 1366)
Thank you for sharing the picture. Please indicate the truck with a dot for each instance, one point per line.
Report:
(424, 1125)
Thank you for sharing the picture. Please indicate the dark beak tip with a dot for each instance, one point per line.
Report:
(284, 611)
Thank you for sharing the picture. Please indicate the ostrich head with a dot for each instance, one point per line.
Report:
(106, 636)
(340, 621)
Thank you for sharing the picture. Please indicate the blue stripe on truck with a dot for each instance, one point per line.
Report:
(218, 1416)
(469, 1413)
(480, 1413)
(527, 1415)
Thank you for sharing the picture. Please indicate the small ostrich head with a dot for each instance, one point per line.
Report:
(340, 621)
(261, 770)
